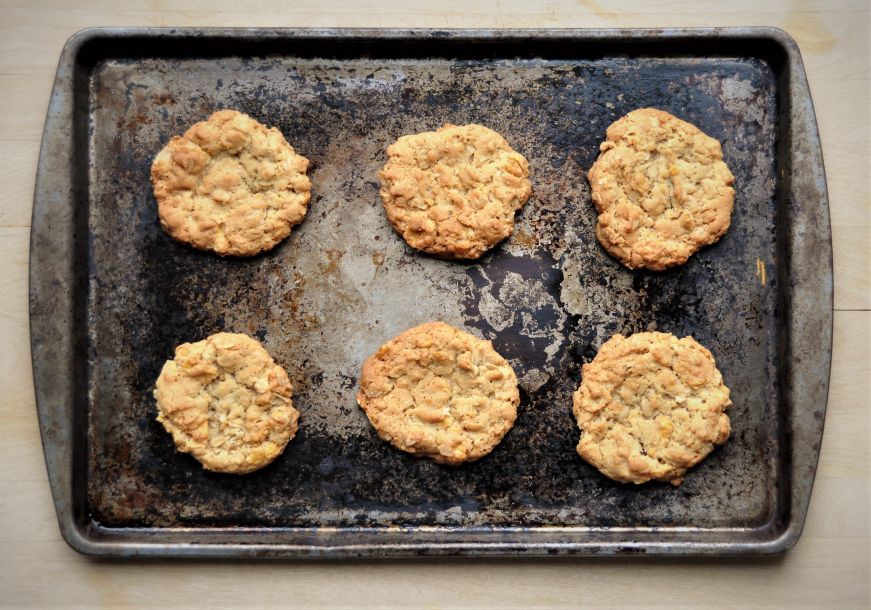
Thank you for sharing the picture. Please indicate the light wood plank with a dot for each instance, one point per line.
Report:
(18, 162)
(23, 91)
(852, 252)
(849, 194)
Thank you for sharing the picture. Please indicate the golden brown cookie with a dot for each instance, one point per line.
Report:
(453, 192)
(230, 185)
(650, 406)
(661, 188)
(439, 392)
(226, 402)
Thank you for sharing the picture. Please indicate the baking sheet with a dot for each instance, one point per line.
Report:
(343, 283)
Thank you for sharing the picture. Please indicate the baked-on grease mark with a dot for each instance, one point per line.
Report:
(439, 392)
(661, 189)
(650, 406)
(453, 192)
(230, 185)
(226, 402)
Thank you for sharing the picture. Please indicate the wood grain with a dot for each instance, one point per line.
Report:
(828, 568)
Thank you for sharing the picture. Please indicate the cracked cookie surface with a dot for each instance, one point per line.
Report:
(453, 192)
(650, 406)
(230, 185)
(661, 189)
(439, 392)
(225, 401)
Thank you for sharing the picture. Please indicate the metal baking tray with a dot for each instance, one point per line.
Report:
(111, 295)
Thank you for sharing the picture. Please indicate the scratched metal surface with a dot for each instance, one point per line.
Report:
(343, 283)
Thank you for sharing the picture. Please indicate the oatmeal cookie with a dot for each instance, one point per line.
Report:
(650, 406)
(453, 192)
(439, 392)
(661, 189)
(230, 185)
(226, 402)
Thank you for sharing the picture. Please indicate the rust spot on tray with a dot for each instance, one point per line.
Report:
(333, 258)
(523, 239)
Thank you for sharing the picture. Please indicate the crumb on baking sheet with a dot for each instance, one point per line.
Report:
(760, 271)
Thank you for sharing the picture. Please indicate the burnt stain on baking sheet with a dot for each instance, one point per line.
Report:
(344, 282)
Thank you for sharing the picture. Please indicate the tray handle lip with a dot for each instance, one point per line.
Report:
(52, 196)
(87, 541)
(811, 267)
(806, 418)
(781, 37)
(80, 535)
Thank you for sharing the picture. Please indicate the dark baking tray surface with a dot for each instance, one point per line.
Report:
(111, 294)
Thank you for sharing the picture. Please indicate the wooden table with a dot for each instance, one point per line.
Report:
(829, 568)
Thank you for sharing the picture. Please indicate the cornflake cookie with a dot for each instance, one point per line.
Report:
(230, 185)
(226, 402)
(453, 192)
(650, 406)
(439, 392)
(661, 188)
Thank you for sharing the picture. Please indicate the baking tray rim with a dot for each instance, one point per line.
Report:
(805, 390)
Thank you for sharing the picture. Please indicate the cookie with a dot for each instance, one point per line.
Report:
(225, 401)
(439, 392)
(453, 192)
(661, 189)
(650, 406)
(230, 185)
